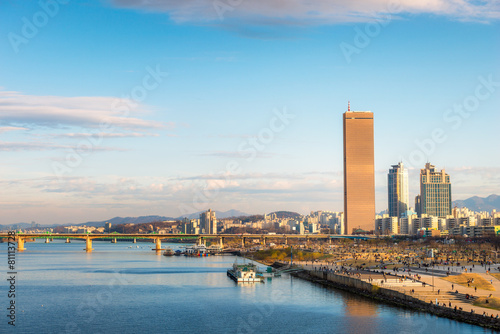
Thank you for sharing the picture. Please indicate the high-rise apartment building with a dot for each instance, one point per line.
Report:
(435, 192)
(208, 222)
(191, 226)
(359, 172)
(397, 187)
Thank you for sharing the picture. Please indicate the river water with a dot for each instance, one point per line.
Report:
(127, 288)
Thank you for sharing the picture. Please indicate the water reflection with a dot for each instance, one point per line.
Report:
(355, 307)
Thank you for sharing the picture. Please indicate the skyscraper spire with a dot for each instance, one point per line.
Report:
(348, 105)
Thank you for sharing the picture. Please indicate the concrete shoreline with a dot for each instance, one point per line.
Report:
(393, 297)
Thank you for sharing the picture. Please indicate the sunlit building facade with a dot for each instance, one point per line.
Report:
(359, 172)
(397, 187)
(208, 222)
(435, 192)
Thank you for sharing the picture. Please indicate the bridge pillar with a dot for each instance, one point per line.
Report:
(20, 244)
(242, 242)
(113, 241)
(286, 241)
(221, 242)
(264, 241)
(67, 240)
(47, 240)
(158, 244)
(88, 245)
(135, 241)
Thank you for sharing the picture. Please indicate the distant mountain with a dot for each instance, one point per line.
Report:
(218, 214)
(128, 220)
(230, 214)
(135, 220)
(479, 203)
(286, 214)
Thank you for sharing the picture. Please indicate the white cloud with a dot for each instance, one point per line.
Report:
(301, 192)
(312, 12)
(104, 135)
(17, 109)
(11, 128)
(43, 146)
(28, 146)
(237, 155)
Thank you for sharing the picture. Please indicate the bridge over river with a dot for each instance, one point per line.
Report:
(20, 238)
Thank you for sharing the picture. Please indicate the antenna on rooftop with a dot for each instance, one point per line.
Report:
(348, 105)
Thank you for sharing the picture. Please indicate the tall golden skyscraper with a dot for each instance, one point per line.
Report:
(359, 171)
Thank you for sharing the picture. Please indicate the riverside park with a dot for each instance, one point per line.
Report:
(456, 278)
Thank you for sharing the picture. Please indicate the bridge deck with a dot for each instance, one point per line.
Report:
(180, 236)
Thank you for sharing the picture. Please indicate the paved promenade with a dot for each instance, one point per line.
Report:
(428, 287)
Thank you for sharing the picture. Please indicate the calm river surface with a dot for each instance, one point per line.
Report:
(120, 289)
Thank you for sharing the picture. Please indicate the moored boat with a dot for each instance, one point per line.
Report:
(196, 250)
(244, 273)
(168, 252)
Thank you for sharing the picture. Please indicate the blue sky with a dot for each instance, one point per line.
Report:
(157, 107)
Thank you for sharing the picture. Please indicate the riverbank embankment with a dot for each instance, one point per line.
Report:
(394, 297)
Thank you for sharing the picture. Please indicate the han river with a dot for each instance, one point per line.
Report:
(127, 288)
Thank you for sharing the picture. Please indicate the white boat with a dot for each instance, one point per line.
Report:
(244, 273)
(196, 250)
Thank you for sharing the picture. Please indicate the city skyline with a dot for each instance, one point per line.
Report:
(111, 109)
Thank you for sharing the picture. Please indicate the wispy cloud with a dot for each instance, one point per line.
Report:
(44, 146)
(20, 110)
(243, 176)
(11, 128)
(300, 12)
(29, 146)
(237, 155)
(300, 192)
(230, 136)
(103, 135)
